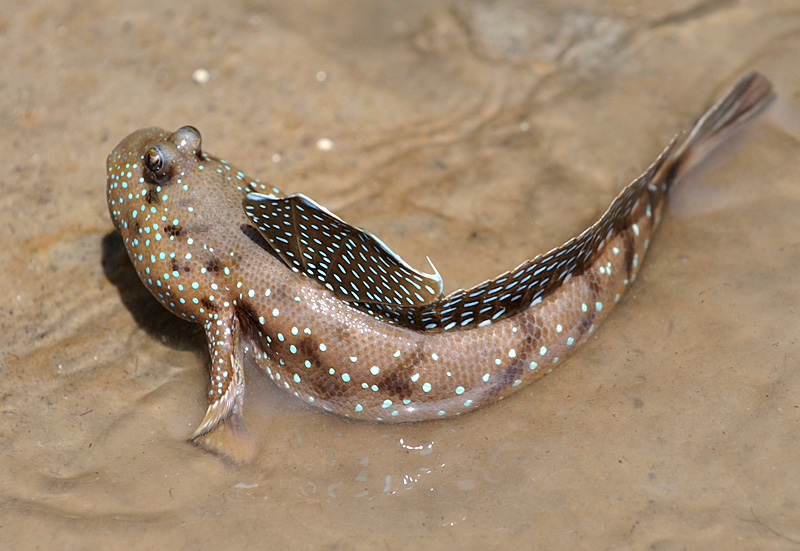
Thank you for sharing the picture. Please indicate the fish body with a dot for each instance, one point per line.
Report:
(334, 317)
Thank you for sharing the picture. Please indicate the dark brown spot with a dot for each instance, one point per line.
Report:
(209, 305)
(174, 230)
(628, 237)
(396, 383)
(510, 374)
(308, 347)
(594, 285)
(530, 342)
(213, 265)
(584, 325)
(151, 196)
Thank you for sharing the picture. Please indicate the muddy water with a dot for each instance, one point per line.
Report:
(476, 133)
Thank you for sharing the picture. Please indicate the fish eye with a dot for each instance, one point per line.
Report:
(158, 164)
(153, 160)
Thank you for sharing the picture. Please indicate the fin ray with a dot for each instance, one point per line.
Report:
(223, 430)
(354, 264)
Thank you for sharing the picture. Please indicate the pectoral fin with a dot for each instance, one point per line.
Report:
(223, 430)
(352, 263)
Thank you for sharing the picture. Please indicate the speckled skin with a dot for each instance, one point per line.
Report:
(180, 214)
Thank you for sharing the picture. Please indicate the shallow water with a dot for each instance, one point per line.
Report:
(478, 134)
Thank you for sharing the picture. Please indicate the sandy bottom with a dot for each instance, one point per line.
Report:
(476, 133)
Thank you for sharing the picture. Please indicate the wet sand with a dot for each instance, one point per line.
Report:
(478, 134)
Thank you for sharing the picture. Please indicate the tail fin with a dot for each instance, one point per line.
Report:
(744, 100)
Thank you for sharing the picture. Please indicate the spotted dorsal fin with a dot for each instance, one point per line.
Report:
(530, 282)
(352, 263)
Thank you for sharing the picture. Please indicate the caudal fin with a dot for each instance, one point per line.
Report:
(744, 100)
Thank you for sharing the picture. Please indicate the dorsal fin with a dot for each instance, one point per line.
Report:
(530, 282)
(352, 263)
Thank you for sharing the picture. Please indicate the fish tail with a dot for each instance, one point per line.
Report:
(745, 99)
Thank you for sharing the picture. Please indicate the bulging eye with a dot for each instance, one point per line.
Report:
(157, 161)
(153, 160)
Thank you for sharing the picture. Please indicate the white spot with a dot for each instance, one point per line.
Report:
(201, 76)
(324, 144)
